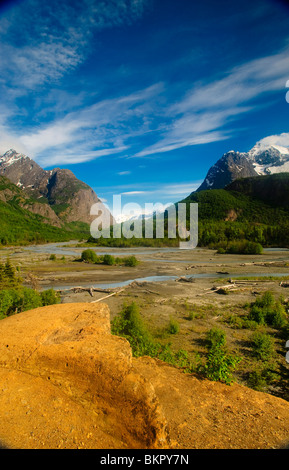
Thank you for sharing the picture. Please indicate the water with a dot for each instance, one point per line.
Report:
(63, 248)
(111, 285)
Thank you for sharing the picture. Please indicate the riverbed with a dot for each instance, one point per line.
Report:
(159, 286)
(156, 265)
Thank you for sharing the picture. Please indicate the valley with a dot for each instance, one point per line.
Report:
(172, 285)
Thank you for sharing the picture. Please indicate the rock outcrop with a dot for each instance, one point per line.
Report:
(263, 159)
(66, 382)
(63, 197)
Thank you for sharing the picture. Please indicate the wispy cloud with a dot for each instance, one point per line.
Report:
(154, 191)
(42, 41)
(124, 173)
(100, 129)
(56, 37)
(205, 111)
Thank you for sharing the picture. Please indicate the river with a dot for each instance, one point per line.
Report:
(69, 249)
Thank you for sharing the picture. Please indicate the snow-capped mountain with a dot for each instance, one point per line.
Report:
(233, 165)
(265, 158)
(10, 157)
(269, 159)
(68, 197)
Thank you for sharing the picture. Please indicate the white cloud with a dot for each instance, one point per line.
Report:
(203, 114)
(100, 129)
(42, 41)
(123, 173)
(281, 139)
(133, 193)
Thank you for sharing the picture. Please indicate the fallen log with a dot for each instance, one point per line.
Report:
(249, 281)
(90, 290)
(186, 279)
(106, 296)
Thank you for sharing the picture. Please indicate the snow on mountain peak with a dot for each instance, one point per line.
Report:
(261, 147)
(11, 156)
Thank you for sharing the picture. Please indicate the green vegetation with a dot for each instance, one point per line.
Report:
(220, 364)
(14, 298)
(238, 219)
(262, 345)
(268, 311)
(89, 256)
(220, 344)
(241, 247)
(19, 226)
(173, 327)
(130, 325)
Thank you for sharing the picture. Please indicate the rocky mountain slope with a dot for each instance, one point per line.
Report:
(66, 382)
(262, 159)
(61, 196)
(25, 220)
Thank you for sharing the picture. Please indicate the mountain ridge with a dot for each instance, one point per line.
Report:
(263, 159)
(67, 198)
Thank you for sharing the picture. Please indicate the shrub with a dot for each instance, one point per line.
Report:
(31, 299)
(256, 380)
(130, 325)
(108, 259)
(268, 311)
(262, 345)
(50, 297)
(89, 256)
(216, 337)
(219, 364)
(130, 261)
(243, 247)
(21, 299)
(260, 379)
(10, 300)
(173, 327)
(52, 257)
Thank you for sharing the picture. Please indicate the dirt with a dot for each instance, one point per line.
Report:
(67, 383)
(199, 413)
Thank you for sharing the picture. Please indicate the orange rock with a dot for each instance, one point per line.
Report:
(66, 382)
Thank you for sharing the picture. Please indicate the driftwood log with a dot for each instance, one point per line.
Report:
(109, 291)
(185, 279)
(90, 290)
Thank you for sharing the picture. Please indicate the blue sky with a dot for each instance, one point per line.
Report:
(141, 97)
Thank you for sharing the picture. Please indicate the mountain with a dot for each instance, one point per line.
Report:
(262, 159)
(231, 166)
(270, 189)
(62, 197)
(24, 220)
(254, 209)
(246, 200)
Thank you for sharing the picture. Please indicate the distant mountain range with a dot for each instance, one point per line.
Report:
(262, 159)
(57, 195)
(247, 187)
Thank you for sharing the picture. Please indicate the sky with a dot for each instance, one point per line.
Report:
(140, 97)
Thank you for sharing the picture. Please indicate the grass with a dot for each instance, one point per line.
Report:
(253, 354)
